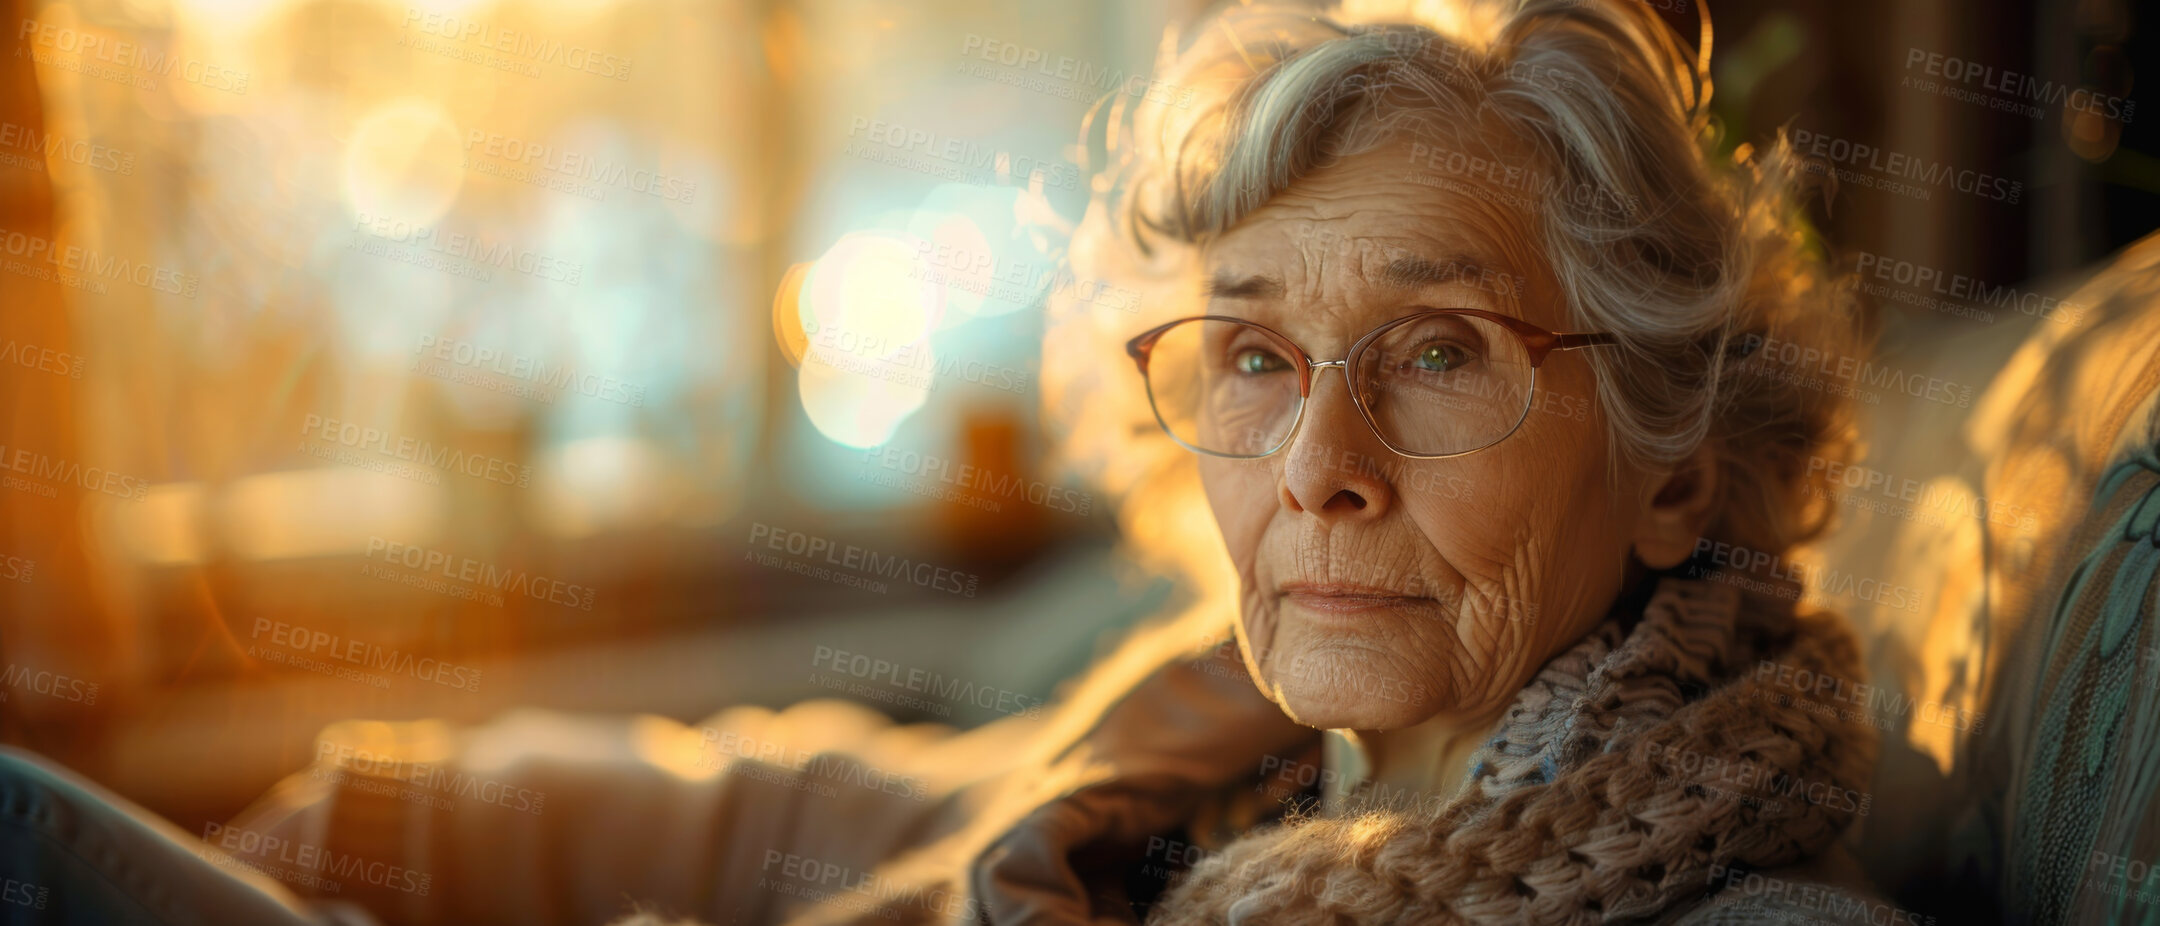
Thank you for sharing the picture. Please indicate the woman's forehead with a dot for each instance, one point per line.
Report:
(1385, 260)
(1377, 249)
(1373, 220)
(1404, 271)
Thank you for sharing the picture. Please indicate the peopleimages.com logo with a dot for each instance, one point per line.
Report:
(1876, 705)
(41, 359)
(492, 469)
(818, 769)
(980, 481)
(48, 683)
(460, 253)
(1062, 76)
(1741, 562)
(1873, 166)
(516, 582)
(2008, 90)
(1971, 290)
(307, 860)
(84, 266)
(52, 146)
(862, 667)
(963, 160)
(512, 49)
(116, 59)
(860, 561)
(24, 894)
(440, 779)
(305, 642)
(569, 170)
(53, 469)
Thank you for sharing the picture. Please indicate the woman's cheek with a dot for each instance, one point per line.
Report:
(1257, 623)
(1492, 640)
(1241, 496)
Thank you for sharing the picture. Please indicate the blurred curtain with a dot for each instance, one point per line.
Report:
(52, 627)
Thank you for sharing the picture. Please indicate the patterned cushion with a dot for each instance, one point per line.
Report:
(2061, 786)
(2083, 810)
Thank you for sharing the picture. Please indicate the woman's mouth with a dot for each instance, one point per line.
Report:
(1340, 598)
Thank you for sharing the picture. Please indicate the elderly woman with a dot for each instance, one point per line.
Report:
(1465, 356)
(1472, 391)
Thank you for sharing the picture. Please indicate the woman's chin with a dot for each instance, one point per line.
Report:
(1333, 680)
(1337, 708)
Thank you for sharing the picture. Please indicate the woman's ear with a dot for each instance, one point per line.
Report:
(1678, 510)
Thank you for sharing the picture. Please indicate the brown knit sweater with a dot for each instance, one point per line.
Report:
(1637, 766)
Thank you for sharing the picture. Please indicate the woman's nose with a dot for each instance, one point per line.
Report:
(1336, 467)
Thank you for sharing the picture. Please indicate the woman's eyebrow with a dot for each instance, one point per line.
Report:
(1409, 272)
(1419, 272)
(1225, 285)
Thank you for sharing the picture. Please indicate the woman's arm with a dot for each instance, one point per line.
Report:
(550, 818)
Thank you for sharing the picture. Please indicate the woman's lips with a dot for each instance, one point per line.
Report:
(1350, 599)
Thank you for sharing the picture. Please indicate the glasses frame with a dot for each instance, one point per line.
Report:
(1538, 343)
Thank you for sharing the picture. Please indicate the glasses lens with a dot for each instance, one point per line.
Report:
(1224, 387)
(1440, 384)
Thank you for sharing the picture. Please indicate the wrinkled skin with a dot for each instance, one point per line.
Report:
(1382, 592)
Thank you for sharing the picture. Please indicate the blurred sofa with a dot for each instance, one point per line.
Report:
(2023, 784)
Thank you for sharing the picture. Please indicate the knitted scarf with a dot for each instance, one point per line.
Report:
(1714, 733)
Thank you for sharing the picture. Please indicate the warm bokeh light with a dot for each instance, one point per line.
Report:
(869, 315)
(402, 167)
(602, 483)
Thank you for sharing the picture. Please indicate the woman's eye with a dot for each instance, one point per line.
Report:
(1439, 357)
(1258, 361)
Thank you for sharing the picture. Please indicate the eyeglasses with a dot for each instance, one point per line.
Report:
(1437, 383)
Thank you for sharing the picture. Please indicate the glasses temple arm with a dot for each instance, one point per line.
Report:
(1585, 339)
